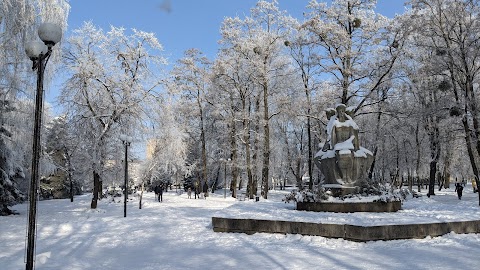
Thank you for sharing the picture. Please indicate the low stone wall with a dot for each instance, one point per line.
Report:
(409, 231)
(251, 226)
(345, 231)
(350, 207)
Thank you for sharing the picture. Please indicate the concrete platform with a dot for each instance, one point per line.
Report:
(345, 207)
(345, 231)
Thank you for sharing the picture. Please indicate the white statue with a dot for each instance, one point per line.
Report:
(342, 160)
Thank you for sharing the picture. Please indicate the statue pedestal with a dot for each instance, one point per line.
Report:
(350, 207)
(338, 190)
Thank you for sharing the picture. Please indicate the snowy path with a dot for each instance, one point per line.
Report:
(177, 234)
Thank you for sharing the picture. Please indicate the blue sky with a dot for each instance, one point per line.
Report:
(188, 23)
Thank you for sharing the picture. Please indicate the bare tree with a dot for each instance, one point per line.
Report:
(449, 28)
(264, 34)
(112, 80)
(191, 79)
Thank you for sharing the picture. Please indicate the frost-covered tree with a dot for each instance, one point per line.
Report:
(191, 79)
(304, 54)
(113, 78)
(357, 51)
(233, 86)
(18, 23)
(170, 141)
(260, 38)
(9, 193)
(448, 29)
(61, 145)
(357, 47)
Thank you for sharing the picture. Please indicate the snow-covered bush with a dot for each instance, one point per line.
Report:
(9, 173)
(306, 195)
(374, 193)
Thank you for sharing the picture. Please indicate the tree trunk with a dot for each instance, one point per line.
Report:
(68, 164)
(214, 186)
(202, 137)
(141, 196)
(417, 167)
(298, 174)
(204, 148)
(375, 150)
(441, 180)
(96, 180)
(470, 151)
(256, 145)
(372, 167)
(240, 183)
(434, 135)
(251, 184)
(266, 145)
(433, 173)
(100, 188)
(71, 184)
(431, 126)
(251, 187)
(234, 157)
(309, 135)
(435, 154)
(410, 181)
(470, 99)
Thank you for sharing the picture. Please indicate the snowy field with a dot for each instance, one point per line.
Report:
(177, 234)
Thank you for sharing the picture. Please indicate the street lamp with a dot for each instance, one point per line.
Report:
(225, 177)
(126, 140)
(222, 160)
(39, 52)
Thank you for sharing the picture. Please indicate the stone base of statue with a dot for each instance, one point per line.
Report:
(337, 190)
(350, 207)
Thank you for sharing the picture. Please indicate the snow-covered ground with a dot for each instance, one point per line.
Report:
(177, 234)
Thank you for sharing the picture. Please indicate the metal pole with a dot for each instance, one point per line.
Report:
(69, 164)
(71, 184)
(225, 182)
(126, 180)
(35, 161)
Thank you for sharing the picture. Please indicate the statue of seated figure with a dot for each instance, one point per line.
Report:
(342, 160)
(344, 129)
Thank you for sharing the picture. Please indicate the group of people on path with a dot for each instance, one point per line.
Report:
(159, 192)
(204, 190)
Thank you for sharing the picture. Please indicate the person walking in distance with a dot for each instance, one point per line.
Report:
(459, 190)
(156, 190)
(205, 190)
(159, 192)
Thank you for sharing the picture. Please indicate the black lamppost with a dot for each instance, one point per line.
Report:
(39, 52)
(225, 177)
(222, 160)
(126, 140)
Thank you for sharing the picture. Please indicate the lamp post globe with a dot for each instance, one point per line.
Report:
(34, 49)
(50, 33)
(39, 53)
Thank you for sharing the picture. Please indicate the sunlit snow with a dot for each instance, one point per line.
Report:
(177, 234)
